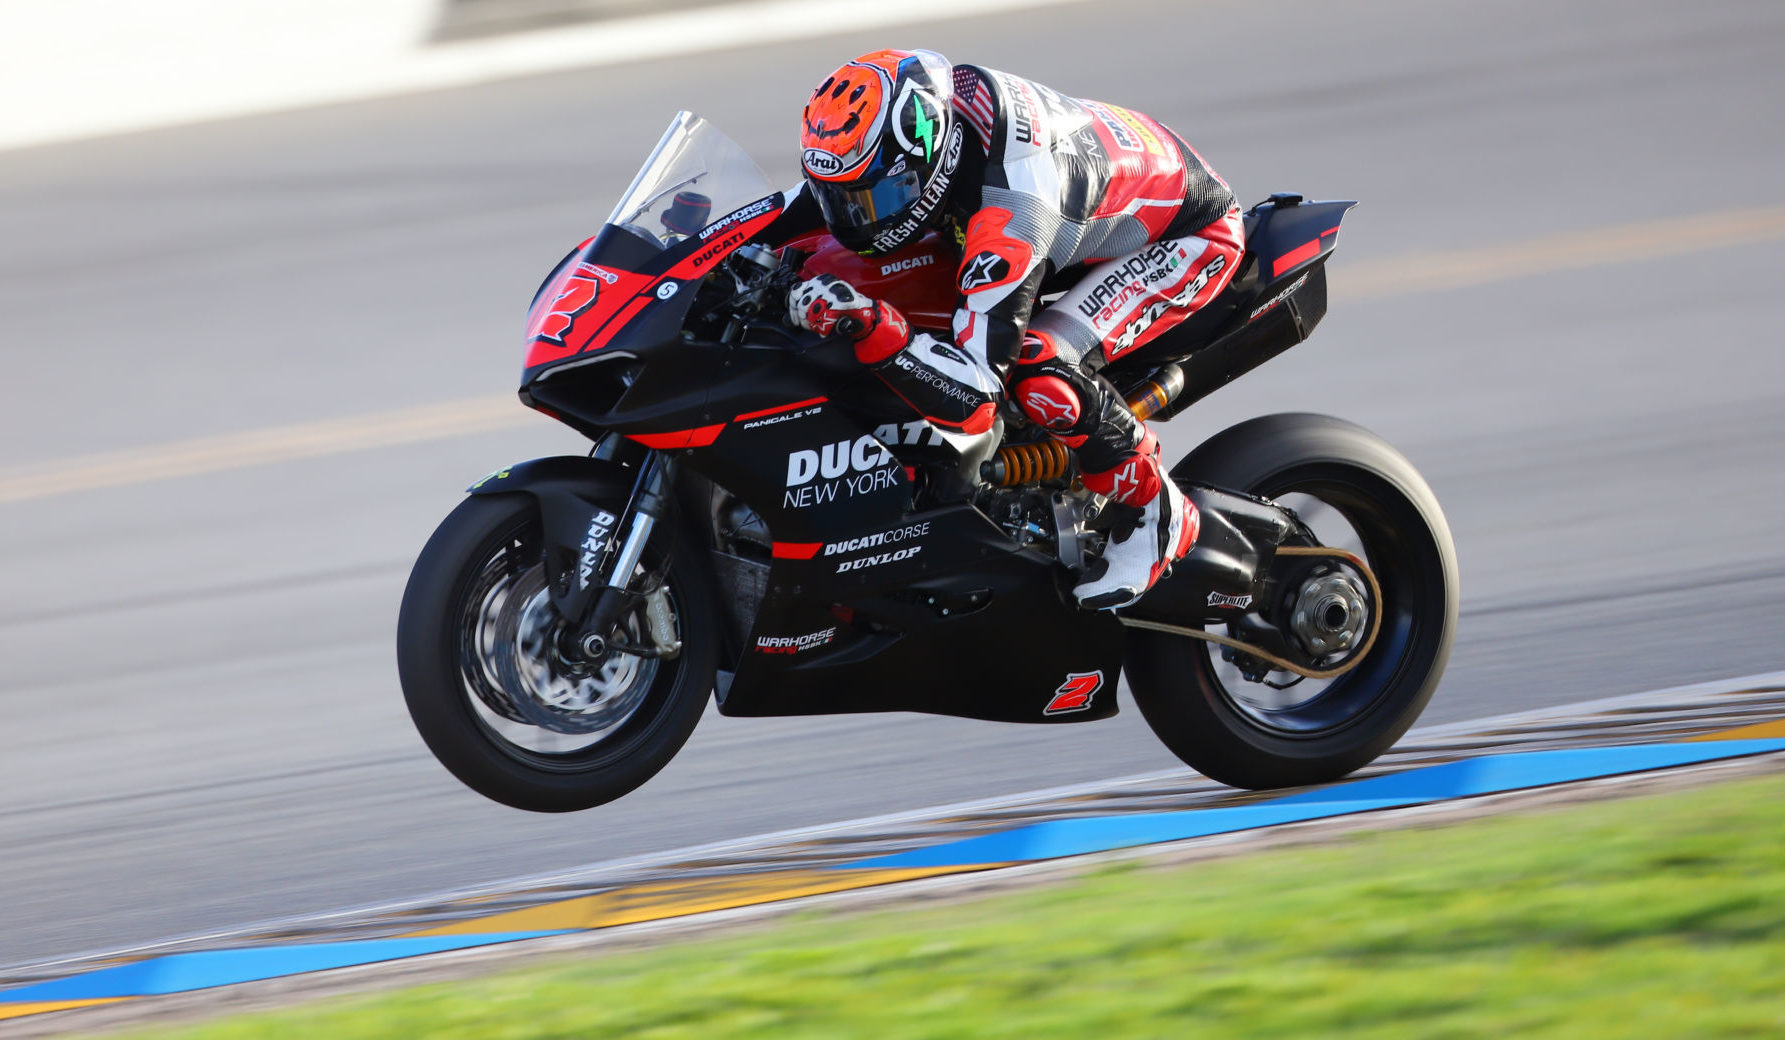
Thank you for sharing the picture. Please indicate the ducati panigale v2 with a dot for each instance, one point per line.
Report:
(762, 520)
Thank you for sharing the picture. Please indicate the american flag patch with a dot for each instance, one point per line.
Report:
(974, 100)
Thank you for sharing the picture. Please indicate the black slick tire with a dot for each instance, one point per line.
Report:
(430, 645)
(1363, 712)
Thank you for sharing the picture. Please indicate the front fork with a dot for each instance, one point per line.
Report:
(596, 610)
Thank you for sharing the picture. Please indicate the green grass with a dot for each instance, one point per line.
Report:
(1659, 916)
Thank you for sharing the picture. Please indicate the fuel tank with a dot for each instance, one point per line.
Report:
(919, 280)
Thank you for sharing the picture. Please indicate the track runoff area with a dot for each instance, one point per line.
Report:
(1574, 744)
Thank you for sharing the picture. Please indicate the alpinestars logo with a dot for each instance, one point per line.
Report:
(984, 269)
(1055, 415)
(1075, 693)
(1153, 311)
(1127, 484)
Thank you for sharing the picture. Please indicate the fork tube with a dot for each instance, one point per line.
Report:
(650, 501)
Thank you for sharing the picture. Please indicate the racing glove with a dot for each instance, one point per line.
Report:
(940, 381)
(828, 306)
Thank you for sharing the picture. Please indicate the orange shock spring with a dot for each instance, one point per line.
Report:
(1030, 463)
(1050, 459)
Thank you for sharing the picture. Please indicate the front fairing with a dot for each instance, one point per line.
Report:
(632, 284)
(605, 336)
(584, 294)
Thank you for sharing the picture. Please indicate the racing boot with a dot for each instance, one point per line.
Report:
(1159, 528)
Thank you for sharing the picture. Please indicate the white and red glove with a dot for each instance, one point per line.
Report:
(820, 304)
(828, 305)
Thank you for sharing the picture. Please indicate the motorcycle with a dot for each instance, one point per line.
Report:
(762, 520)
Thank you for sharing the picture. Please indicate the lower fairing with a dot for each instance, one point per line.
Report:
(969, 624)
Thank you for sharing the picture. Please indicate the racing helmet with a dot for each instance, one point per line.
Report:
(880, 146)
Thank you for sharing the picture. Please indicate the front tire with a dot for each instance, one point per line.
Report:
(1242, 734)
(512, 720)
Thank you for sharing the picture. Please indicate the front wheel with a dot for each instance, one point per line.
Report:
(505, 704)
(1262, 731)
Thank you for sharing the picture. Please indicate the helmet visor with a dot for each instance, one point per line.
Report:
(852, 211)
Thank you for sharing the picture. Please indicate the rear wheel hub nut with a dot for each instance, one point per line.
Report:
(1329, 614)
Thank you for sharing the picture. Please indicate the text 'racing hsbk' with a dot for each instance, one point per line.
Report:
(762, 520)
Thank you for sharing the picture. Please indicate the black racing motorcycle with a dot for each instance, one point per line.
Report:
(762, 520)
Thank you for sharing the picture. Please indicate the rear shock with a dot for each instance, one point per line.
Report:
(1151, 397)
(1031, 463)
(1041, 461)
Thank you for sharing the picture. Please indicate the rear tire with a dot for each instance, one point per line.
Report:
(1223, 732)
(457, 659)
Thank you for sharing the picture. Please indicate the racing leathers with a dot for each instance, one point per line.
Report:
(1042, 183)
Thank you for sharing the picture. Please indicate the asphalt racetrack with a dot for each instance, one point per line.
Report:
(202, 721)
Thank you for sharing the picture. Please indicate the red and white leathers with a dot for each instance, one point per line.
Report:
(1046, 183)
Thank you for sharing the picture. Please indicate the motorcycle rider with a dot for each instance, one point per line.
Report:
(1031, 182)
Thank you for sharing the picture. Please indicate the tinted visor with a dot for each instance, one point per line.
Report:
(861, 204)
(853, 210)
(862, 208)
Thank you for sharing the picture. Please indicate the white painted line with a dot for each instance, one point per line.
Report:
(202, 455)
(54, 99)
(576, 875)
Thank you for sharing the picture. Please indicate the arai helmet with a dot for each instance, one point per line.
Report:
(880, 147)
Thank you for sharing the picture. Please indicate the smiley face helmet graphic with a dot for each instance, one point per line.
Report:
(879, 148)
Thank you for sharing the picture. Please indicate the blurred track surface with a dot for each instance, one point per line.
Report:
(203, 726)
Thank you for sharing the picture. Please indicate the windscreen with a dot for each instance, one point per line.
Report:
(694, 176)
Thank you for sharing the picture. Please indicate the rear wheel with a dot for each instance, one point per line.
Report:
(1276, 730)
(501, 696)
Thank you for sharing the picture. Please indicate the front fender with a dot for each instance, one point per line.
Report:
(574, 474)
(574, 493)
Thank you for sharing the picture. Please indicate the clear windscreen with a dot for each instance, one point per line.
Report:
(694, 176)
